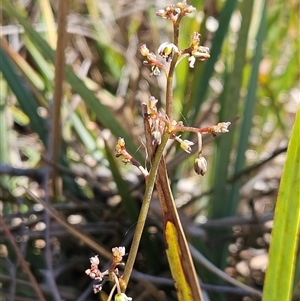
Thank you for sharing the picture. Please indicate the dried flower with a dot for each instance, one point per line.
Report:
(155, 71)
(156, 137)
(195, 39)
(152, 109)
(144, 50)
(151, 61)
(120, 147)
(200, 166)
(195, 51)
(151, 57)
(157, 127)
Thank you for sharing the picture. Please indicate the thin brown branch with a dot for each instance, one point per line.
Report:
(84, 237)
(211, 267)
(23, 263)
(257, 165)
(58, 88)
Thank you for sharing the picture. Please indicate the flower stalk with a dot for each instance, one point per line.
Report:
(144, 210)
(159, 127)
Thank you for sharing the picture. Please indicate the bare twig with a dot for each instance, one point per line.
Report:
(79, 234)
(206, 263)
(58, 87)
(23, 263)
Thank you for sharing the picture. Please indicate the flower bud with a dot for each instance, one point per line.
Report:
(120, 147)
(200, 166)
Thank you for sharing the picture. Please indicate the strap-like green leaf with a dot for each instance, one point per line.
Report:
(285, 234)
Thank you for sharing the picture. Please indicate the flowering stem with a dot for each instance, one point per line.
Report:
(144, 210)
(152, 175)
(176, 33)
(169, 91)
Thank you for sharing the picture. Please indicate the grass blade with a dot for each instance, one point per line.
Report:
(285, 234)
(248, 111)
(24, 96)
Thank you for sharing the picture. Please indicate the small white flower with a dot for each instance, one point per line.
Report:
(94, 260)
(186, 145)
(224, 126)
(166, 50)
(118, 251)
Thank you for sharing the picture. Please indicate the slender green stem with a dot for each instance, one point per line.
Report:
(144, 210)
(176, 29)
(152, 175)
(176, 33)
(169, 91)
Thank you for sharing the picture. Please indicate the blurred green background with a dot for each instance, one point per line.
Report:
(251, 79)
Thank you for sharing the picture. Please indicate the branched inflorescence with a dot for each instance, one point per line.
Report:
(159, 121)
(161, 124)
(111, 274)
